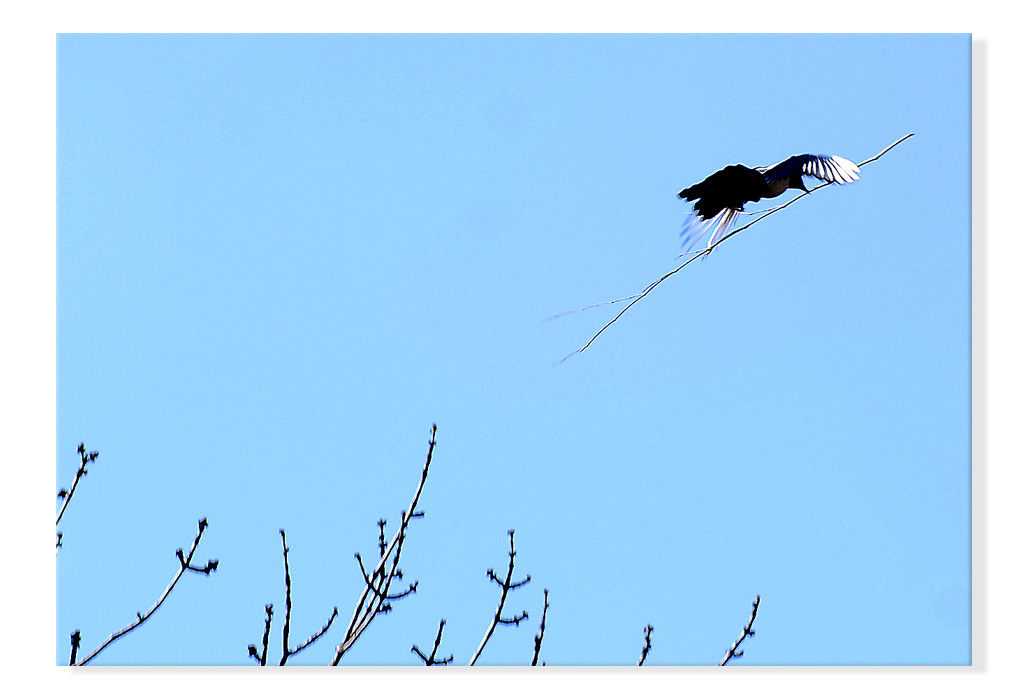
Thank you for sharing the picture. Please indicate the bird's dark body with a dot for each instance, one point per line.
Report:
(731, 187)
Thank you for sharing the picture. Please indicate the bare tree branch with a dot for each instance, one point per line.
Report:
(432, 660)
(266, 635)
(637, 297)
(76, 642)
(748, 631)
(506, 586)
(67, 494)
(287, 602)
(323, 630)
(647, 645)
(261, 657)
(185, 565)
(286, 650)
(539, 639)
(375, 596)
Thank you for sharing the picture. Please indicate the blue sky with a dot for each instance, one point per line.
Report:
(280, 259)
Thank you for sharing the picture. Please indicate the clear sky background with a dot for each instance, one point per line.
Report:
(280, 259)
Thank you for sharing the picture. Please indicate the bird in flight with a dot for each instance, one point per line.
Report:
(721, 196)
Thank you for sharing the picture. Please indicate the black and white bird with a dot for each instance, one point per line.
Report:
(721, 196)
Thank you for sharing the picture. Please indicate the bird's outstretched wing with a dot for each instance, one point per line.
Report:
(827, 168)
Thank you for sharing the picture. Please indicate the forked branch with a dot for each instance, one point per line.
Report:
(261, 657)
(748, 631)
(506, 586)
(66, 494)
(432, 660)
(539, 639)
(647, 645)
(376, 595)
(185, 565)
(286, 650)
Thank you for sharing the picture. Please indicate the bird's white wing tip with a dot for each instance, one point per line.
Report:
(846, 169)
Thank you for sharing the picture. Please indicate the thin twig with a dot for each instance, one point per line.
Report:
(506, 586)
(323, 630)
(185, 565)
(375, 595)
(539, 639)
(637, 297)
(591, 306)
(748, 631)
(266, 635)
(66, 495)
(432, 660)
(647, 645)
(76, 642)
(287, 602)
(261, 657)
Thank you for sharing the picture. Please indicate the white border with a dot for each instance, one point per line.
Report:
(29, 301)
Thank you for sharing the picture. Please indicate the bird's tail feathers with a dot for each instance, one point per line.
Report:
(695, 228)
